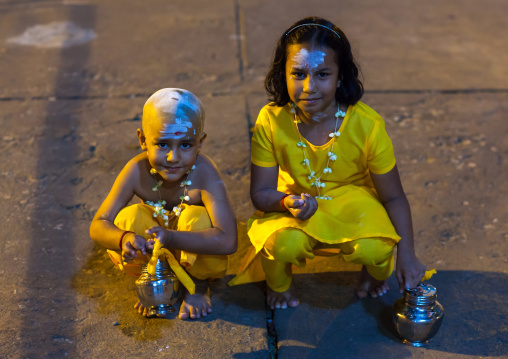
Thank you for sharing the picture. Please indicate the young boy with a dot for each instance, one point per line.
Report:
(185, 204)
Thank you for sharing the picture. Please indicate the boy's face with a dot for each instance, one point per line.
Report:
(172, 144)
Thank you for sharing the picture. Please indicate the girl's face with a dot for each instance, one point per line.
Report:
(312, 77)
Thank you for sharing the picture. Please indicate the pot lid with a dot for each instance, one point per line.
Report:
(422, 294)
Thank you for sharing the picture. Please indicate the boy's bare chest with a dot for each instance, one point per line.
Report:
(172, 195)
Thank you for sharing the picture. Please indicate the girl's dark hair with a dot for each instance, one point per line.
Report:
(351, 88)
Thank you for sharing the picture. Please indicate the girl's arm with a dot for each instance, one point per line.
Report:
(263, 189)
(266, 198)
(409, 269)
(222, 238)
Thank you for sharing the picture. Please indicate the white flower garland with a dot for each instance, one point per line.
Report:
(331, 156)
(158, 207)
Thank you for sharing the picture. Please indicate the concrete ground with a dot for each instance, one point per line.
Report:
(71, 93)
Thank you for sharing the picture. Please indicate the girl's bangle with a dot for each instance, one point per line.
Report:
(121, 238)
(282, 202)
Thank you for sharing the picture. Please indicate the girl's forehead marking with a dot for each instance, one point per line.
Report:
(312, 59)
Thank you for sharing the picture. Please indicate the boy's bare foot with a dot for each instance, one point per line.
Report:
(283, 299)
(145, 311)
(196, 305)
(369, 285)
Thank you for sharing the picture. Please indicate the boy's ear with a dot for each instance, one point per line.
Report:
(142, 139)
(203, 136)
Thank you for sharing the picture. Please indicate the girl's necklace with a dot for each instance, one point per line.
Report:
(158, 207)
(316, 180)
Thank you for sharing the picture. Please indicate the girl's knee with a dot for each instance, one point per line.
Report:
(368, 251)
(383, 270)
(290, 245)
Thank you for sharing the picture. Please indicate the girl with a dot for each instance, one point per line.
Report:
(324, 172)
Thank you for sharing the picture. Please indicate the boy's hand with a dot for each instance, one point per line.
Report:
(161, 234)
(131, 243)
(409, 271)
(302, 207)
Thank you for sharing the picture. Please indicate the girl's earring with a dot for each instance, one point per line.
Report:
(338, 83)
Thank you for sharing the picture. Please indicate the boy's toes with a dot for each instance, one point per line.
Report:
(183, 314)
(194, 313)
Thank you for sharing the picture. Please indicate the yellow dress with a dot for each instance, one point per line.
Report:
(355, 210)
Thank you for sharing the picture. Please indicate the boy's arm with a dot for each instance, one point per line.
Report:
(222, 238)
(409, 269)
(102, 229)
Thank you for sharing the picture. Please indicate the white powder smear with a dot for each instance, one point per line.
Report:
(182, 105)
(309, 60)
(175, 130)
(54, 35)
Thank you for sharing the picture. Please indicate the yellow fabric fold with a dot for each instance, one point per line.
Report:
(180, 273)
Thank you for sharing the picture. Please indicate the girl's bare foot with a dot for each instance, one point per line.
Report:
(369, 285)
(282, 300)
(196, 305)
(145, 311)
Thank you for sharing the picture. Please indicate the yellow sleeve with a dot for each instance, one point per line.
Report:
(381, 157)
(262, 153)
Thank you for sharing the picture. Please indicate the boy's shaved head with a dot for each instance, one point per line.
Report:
(179, 110)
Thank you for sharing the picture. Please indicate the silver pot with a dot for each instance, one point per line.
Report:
(418, 315)
(158, 292)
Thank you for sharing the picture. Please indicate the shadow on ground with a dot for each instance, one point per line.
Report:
(331, 321)
(115, 293)
(475, 303)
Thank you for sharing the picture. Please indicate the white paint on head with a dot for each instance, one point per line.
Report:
(310, 60)
(179, 110)
(175, 130)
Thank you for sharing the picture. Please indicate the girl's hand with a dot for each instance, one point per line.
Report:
(302, 207)
(409, 271)
(161, 234)
(131, 243)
